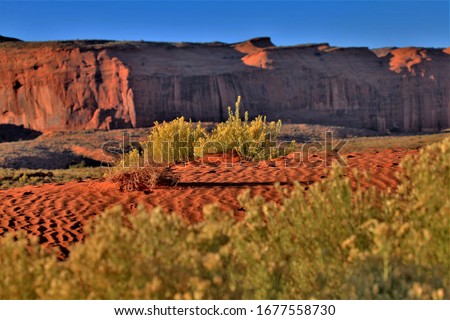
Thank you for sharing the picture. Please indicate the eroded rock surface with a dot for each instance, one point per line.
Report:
(106, 85)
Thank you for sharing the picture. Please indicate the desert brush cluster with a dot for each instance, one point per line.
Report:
(329, 242)
(180, 140)
(251, 140)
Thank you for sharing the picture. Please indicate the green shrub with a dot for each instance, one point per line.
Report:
(24, 179)
(408, 253)
(180, 140)
(168, 143)
(330, 242)
(12, 178)
(79, 165)
(173, 141)
(254, 140)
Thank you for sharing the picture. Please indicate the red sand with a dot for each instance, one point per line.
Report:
(56, 213)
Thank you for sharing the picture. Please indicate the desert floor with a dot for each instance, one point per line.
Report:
(57, 212)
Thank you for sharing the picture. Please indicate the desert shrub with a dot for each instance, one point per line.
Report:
(25, 267)
(79, 165)
(168, 143)
(180, 140)
(408, 255)
(24, 179)
(173, 141)
(330, 242)
(133, 173)
(252, 140)
(12, 178)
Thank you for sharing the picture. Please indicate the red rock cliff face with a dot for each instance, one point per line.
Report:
(83, 85)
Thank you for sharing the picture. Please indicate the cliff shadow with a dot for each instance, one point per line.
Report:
(48, 160)
(11, 132)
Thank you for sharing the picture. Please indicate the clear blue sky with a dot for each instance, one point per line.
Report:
(342, 23)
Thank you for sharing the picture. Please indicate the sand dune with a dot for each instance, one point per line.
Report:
(57, 213)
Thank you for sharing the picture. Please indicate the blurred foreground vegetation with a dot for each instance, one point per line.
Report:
(330, 242)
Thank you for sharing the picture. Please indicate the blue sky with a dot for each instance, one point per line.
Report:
(342, 23)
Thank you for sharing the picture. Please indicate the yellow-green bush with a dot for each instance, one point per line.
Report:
(326, 243)
(173, 141)
(252, 140)
(180, 140)
(168, 143)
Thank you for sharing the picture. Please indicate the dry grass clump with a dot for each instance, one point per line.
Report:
(147, 178)
(131, 173)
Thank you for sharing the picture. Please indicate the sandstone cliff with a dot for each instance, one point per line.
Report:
(104, 84)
